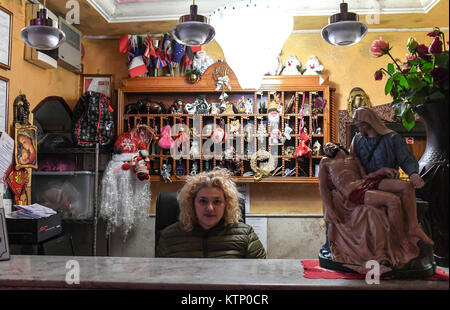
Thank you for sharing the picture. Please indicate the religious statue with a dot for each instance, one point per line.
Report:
(371, 217)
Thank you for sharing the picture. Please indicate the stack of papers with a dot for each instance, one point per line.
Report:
(34, 211)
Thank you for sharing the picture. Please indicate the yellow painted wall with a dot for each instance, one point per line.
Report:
(347, 67)
(34, 82)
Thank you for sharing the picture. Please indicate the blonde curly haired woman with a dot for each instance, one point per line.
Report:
(209, 223)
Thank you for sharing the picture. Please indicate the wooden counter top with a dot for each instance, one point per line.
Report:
(48, 272)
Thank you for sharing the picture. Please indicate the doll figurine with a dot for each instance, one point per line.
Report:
(165, 172)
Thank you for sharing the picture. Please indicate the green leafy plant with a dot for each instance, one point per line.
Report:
(422, 79)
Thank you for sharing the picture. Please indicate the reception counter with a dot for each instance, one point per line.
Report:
(51, 272)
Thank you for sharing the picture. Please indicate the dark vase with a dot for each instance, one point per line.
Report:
(433, 168)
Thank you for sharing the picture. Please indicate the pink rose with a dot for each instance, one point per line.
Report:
(378, 75)
(436, 46)
(379, 48)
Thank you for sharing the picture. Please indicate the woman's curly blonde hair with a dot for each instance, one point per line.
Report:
(219, 178)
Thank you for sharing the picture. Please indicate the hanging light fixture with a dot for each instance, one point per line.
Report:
(251, 35)
(344, 28)
(193, 29)
(41, 34)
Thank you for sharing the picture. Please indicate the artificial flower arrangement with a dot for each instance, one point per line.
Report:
(422, 79)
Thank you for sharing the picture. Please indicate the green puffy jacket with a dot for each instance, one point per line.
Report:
(222, 241)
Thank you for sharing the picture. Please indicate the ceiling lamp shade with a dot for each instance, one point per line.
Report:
(344, 28)
(41, 34)
(193, 29)
(251, 35)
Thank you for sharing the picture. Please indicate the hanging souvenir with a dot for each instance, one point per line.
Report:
(194, 169)
(140, 165)
(195, 148)
(218, 135)
(289, 151)
(165, 142)
(165, 172)
(17, 180)
(248, 106)
(261, 134)
(207, 130)
(182, 136)
(303, 148)
(316, 148)
(287, 131)
(264, 171)
(207, 165)
(124, 198)
(240, 105)
(276, 137)
(274, 121)
(235, 125)
(222, 81)
(179, 170)
(248, 132)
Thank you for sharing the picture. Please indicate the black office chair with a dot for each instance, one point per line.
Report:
(167, 211)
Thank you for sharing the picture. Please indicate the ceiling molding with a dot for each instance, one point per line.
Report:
(114, 12)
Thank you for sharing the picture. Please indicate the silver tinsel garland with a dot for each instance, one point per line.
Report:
(125, 199)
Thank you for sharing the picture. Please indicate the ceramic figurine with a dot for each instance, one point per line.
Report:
(371, 217)
(240, 105)
(215, 108)
(292, 66)
(202, 105)
(179, 170)
(165, 172)
(194, 169)
(195, 148)
(248, 106)
(313, 66)
(316, 148)
(371, 126)
(190, 108)
(229, 108)
(202, 61)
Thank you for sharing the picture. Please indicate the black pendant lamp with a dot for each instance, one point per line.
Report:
(41, 34)
(193, 29)
(344, 28)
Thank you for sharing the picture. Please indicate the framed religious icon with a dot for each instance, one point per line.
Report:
(4, 93)
(102, 83)
(356, 99)
(4, 246)
(25, 146)
(6, 20)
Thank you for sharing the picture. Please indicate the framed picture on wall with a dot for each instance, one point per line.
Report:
(4, 246)
(102, 83)
(4, 94)
(6, 20)
(25, 146)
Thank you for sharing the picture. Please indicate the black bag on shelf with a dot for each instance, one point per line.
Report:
(93, 121)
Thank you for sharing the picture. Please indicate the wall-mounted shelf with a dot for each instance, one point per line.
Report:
(297, 89)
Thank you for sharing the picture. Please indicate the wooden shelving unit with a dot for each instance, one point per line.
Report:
(168, 89)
